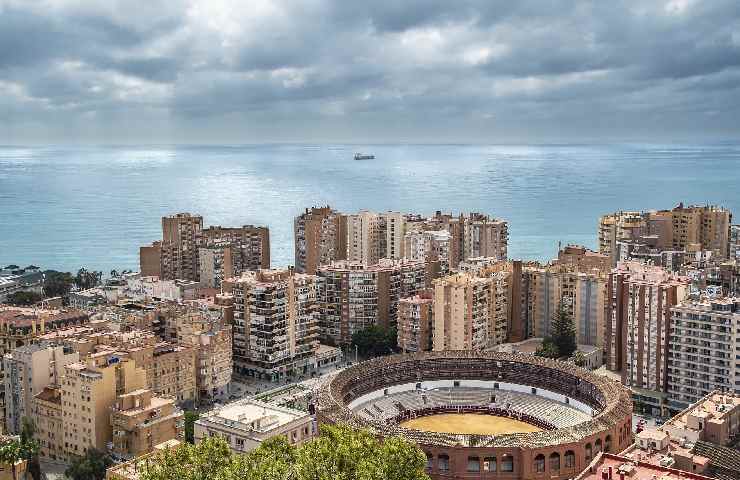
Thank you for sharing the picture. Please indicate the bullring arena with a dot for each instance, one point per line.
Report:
(485, 415)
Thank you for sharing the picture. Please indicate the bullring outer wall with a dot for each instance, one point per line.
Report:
(575, 446)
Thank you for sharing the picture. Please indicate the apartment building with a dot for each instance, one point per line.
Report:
(704, 350)
(582, 295)
(23, 325)
(640, 299)
(372, 236)
(250, 245)
(245, 424)
(211, 339)
(431, 247)
(275, 323)
(416, 322)
(469, 312)
(734, 252)
(28, 370)
(354, 296)
(472, 235)
(140, 421)
(683, 228)
(183, 236)
(216, 263)
(87, 393)
(320, 238)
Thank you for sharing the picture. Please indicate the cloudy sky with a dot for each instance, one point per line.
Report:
(242, 71)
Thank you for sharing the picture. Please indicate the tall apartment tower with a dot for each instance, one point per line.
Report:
(465, 313)
(431, 247)
(702, 355)
(473, 235)
(416, 323)
(354, 296)
(320, 238)
(250, 245)
(639, 317)
(372, 236)
(734, 253)
(275, 323)
(687, 229)
(181, 238)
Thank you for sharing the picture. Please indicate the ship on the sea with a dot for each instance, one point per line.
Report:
(363, 156)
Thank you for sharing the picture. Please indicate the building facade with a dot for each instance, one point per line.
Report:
(275, 323)
(416, 323)
(320, 236)
(703, 350)
(354, 296)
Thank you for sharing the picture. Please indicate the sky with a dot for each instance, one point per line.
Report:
(385, 71)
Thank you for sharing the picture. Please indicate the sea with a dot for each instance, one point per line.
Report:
(66, 207)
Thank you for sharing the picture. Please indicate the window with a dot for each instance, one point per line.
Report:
(489, 464)
(473, 464)
(570, 459)
(555, 462)
(507, 463)
(443, 463)
(588, 452)
(608, 443)
(539, 463)
(597, 445)
(430, 461)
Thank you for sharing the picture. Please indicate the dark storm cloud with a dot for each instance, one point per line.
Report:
(474, 70)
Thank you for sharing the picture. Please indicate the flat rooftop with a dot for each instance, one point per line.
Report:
(714, 407)
(633, 470)
(243, 414)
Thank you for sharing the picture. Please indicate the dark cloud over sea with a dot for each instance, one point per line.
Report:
(386, 71)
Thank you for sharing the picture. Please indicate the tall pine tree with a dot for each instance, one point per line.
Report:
(564, 333)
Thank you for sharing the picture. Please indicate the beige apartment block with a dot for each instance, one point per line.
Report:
(354, 296)
(140, 421)
(181, 237)
(416, 323)
(49, 425)
(89, 390)
(250, 245)
(28, 370)
(465, 313)
(216, 263)
(638, 314)
(23, 325)
(211, 339)
(472, 235)
(245, 424)
(320, 238)
(431, 247)
(275, 323)
(703, 349)
(683, 228)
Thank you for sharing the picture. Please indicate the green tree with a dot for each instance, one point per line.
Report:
(579, 358)
(30, 447)
(57, 284)
(189, 419)
(375, 340)
(23, 299)
(548, 349)
(564, 333)
(339, 453)
(91, 466)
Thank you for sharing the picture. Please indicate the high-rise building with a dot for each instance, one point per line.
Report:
(183, 238)
(320, 238)
(690, 229)
(734, 252)
(431, 247)
(702, 355)
(182, 235)
(354, 296)
(217, 261)
(473, 235)
(638, 314)
(275, 323)
(250, 245)
(416, 323)
(470, 312)
(28, 370)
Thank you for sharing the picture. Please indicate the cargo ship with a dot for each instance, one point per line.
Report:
(363, 156)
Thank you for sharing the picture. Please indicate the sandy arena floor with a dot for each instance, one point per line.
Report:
(469, 423)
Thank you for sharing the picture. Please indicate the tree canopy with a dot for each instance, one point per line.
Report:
(564, 333)
(339, 453)
(91, 466)
(57, 284)
(375, 340)
(23, 299)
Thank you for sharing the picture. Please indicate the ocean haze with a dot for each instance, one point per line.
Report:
(68, 207)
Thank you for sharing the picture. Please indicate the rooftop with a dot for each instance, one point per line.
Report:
(252, 415)
(627, 468)
(714, 407)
